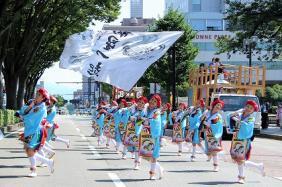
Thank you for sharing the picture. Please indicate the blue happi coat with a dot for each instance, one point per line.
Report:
(195, 121)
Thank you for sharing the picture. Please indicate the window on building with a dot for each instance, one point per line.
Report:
(196, 5)
(214, 25)
(198, 24)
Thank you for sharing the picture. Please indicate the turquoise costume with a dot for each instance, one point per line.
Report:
(155, 130)
(32, 124)
(195, 121)
(50, 118)
(121, 118)
(216, 130)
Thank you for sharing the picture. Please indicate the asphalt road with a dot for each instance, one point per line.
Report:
(86, 164)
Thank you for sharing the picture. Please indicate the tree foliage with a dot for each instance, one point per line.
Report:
(261, 18)
(61, 101)
(185, 52)
(32, 37)
(274, 93)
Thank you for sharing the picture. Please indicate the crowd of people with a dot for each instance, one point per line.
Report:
(138, 126)
(38, 116)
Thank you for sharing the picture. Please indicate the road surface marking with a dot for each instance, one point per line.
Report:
(94, 151)
(78, 130)
(116, 180)
(279, 178)
(83, 136)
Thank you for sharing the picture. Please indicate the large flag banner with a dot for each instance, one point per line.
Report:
(115, 57)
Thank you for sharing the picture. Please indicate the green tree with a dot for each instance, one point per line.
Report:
(185, 53)
(274, 94)
(261, 18)
(61, 101)
(33, 40)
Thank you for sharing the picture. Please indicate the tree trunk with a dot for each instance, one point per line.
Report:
(11, 84)
(1, 88)
(21, 90)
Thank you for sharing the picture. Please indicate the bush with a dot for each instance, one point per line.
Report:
(7, 117)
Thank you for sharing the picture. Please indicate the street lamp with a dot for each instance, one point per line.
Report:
(249, 44)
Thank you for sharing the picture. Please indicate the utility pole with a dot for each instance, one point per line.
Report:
(173, 77)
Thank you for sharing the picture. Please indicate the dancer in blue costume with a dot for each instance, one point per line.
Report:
(100, 121)
(194, 124)
(213, 133)
(241, 145)
(110, 115)
(179, 116)
(32, 115)
(154, 120)
(136, 118)
(121, 118)
(51, 114)
(165, 115)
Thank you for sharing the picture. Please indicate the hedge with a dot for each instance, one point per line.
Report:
(7, 117)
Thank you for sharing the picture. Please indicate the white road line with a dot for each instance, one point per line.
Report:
(279, 178)
(94, 151)
(78, 130)
(116, 180)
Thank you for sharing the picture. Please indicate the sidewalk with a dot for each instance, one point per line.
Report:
(272, 132)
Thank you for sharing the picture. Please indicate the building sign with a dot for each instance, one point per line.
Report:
(212, 36)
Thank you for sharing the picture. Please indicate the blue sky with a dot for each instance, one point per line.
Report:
(152, 8)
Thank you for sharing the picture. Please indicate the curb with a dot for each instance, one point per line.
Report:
(270, 136)
(11, 128)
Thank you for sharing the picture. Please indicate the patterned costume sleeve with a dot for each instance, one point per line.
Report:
(217, 126)
(247, 128)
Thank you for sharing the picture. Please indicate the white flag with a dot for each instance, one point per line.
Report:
(116, 57)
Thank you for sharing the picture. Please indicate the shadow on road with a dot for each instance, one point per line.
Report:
(111, 169)
(124, 180)
(13, 166)
(173, 161)
(190, 171)
(12, 176)
(13, 157)
(214, 183)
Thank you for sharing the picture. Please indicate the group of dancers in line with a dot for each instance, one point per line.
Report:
(38, 116)
(139, 127)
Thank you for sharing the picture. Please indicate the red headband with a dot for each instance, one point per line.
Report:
(142, 99)
(158, 98)
(253, 104)
(218, 101)
(43, 92)
(123, 101)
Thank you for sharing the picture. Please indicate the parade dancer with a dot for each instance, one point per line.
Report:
(136, 119)
(180, 122)
(33, 115)
(154, 121)
(165, 114)
(214, 129)
(241, 143)
(121, 118)
(100, 122)
(51, 113)
(108, 130)
(194, 124)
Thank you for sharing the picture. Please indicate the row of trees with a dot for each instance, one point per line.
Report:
(32, 36)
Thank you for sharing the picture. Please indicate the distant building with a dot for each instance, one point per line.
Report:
(136, 8)
(90, 90)
(131, 24)
(207, 18)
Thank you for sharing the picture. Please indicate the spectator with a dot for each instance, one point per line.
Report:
(264, 115)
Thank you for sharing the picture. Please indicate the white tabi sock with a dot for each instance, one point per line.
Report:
(202, 148)
(193, 151)
(47, 149)
(251, 164)
(136, 157)
(32, 161)
(153, 167)
(41, 152)
(59, 139)
(48, 145)
(215, 159)
(42, 159)
(108, 141)
(180, 147)
(241, 170)
(124, 150)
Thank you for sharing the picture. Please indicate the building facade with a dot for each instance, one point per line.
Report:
(207, 18)
(136, 8)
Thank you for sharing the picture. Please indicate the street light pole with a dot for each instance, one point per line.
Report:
(250, 54)
(173, 78)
